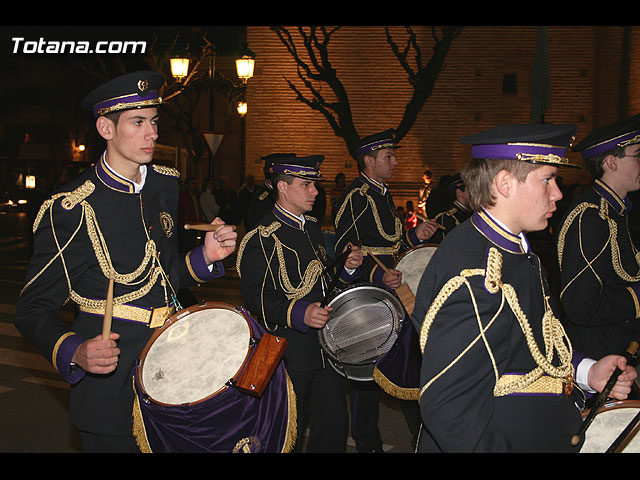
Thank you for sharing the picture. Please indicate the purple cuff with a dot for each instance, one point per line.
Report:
(71, 373)
(412, 236)
(346, 277)
(198, 266)
(296, 316)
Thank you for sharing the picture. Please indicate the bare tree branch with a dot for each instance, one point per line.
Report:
(318, 68)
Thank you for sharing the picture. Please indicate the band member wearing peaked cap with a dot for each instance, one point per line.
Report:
(599, 263)
(282, 266)
(366, 212)
(498, 371)
(120, 216)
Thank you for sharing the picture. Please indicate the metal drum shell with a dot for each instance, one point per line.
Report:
(354, 297)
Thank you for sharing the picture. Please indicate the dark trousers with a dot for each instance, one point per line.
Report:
(322, 404)
(365, 399)
(96, 443)
(365, 413)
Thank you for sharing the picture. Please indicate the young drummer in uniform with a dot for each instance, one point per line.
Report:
(366, 212)
(498, 371)
(120, 216)
(282, 266)
(599, 264)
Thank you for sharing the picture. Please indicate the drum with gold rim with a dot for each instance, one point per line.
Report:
(210, 380)
(610, 421)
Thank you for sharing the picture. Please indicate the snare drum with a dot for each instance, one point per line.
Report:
(186, 385)
(413, 262)
(608, 424)
(364, 325)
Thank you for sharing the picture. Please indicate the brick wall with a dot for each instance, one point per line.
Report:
(587, 80)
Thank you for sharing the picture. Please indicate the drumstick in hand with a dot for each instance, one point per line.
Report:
(407, 298)
(108, 309)
(206, 227)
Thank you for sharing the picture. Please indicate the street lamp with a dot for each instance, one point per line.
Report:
(179, 68)
(244, 67)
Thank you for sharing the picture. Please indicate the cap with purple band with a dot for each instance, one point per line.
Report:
(378, 141)
(132, 90)
(302, 167)
(533, 143)
(609, 137)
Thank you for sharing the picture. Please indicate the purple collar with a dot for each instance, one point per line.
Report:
(495, 233)
(381, 188)
(111, 180)
(605, 191)
(287, 217)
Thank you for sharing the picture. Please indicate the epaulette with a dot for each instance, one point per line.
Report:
(164, 170)
(78, 195)
(312, 218)
(69, 200)
(265, 231)
(263, 195)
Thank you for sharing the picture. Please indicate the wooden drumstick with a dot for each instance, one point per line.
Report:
(631, 352)
(206, 227)
(407, 298)
(108, 309)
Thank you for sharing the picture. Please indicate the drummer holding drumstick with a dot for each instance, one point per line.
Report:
(119, 218)
(366, 212)
(282, 265)
(499, 373)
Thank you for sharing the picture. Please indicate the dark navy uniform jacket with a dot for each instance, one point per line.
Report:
(281, 264)
(449, 219)
(366, 212)
(600, 273)
(260, 204)
(488, 382)
(98, 222)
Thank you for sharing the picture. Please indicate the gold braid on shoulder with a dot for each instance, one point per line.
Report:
(308, 279)
(394, 237)
(616, 261)
(556, 341)
(88, 217)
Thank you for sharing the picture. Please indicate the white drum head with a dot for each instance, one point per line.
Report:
(412, 264)
(195, 356)
(606, 427)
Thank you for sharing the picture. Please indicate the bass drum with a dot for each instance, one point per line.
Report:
(187, 386)
(608, 424)
(413, 262)
(364, 325)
